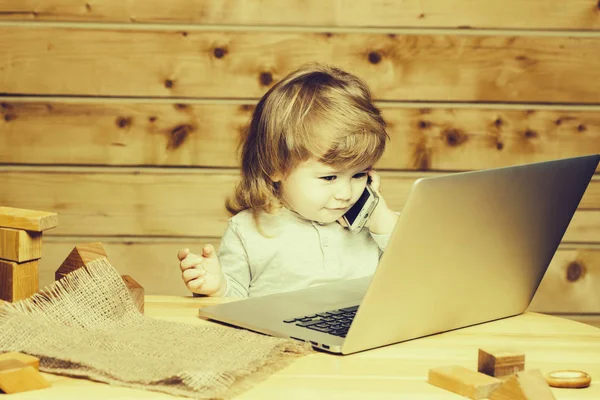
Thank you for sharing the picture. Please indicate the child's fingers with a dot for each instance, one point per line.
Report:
(191, 274)
(190, 261)
(182, 254)
(375, 180)
(342, 222)
(195, 284)
(208, 251)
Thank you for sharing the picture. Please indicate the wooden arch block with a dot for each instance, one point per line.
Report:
(526, 385)
(80, 256)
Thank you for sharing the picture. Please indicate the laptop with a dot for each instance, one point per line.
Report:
(468, 248)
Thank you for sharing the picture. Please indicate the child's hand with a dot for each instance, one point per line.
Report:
(383, 219)
(202, 274)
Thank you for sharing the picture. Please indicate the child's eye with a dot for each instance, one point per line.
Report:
(328, 178)
(360, 175)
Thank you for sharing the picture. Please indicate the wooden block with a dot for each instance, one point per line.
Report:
(18, 280)
(500, 363)
(16, 377)
(80, 256)
(20, 245)
(29, 220)
(136, 290)
(463, 381)
(24, 358)
(526, 385)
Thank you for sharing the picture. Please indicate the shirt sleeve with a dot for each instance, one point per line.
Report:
(234, 262)
(381, 240)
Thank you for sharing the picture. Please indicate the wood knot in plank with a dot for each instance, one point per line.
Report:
(575, 271)
(424, 124)
(10, 117)
(498, 122)
(152, 118)
(265, 78)
(499, 145)
(530, 134)
(169, 83)
(246, 107)
(220, 52)
(454, 137)
(123, 122)
(374, 57)
(178, 136)
(581, 128)
(181, 106)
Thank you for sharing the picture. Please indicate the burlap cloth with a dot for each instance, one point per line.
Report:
(86, 325)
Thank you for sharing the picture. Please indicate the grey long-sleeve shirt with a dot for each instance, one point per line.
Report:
(297, 253)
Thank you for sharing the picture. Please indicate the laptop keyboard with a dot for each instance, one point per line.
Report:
(335, 322)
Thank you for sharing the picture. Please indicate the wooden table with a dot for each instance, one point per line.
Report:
(393, 372)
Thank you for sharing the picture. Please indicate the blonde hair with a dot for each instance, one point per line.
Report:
(317, 111)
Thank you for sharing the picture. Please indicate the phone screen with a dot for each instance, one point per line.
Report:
(353, 212)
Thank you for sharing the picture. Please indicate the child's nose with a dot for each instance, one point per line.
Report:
(343, 192)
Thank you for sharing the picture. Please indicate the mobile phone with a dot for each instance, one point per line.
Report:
(359, 213)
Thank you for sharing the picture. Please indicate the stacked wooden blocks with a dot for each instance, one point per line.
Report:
(501, 375)
(20, 250)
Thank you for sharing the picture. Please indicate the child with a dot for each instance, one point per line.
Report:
(306, 158)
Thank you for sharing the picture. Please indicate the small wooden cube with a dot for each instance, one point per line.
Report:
(136, 290)
(463, 381)
(24, 358)
(500, 363)
(20, 245)
(18, 280)
(16, 376)
(29, 220)
(80, 256)
(526, 385)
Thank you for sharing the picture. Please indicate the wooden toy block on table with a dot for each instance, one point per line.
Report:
(500, 363)
(136, 290)
(80, 256)
(29, 220)
(526, 385)
(463, 381)
(83, 254)
(20, 245)
(24, 358)
(16, 376)
(18, 280)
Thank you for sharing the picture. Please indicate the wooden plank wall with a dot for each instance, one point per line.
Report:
(123, 117)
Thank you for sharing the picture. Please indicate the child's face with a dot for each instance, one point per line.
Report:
(320, 193)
